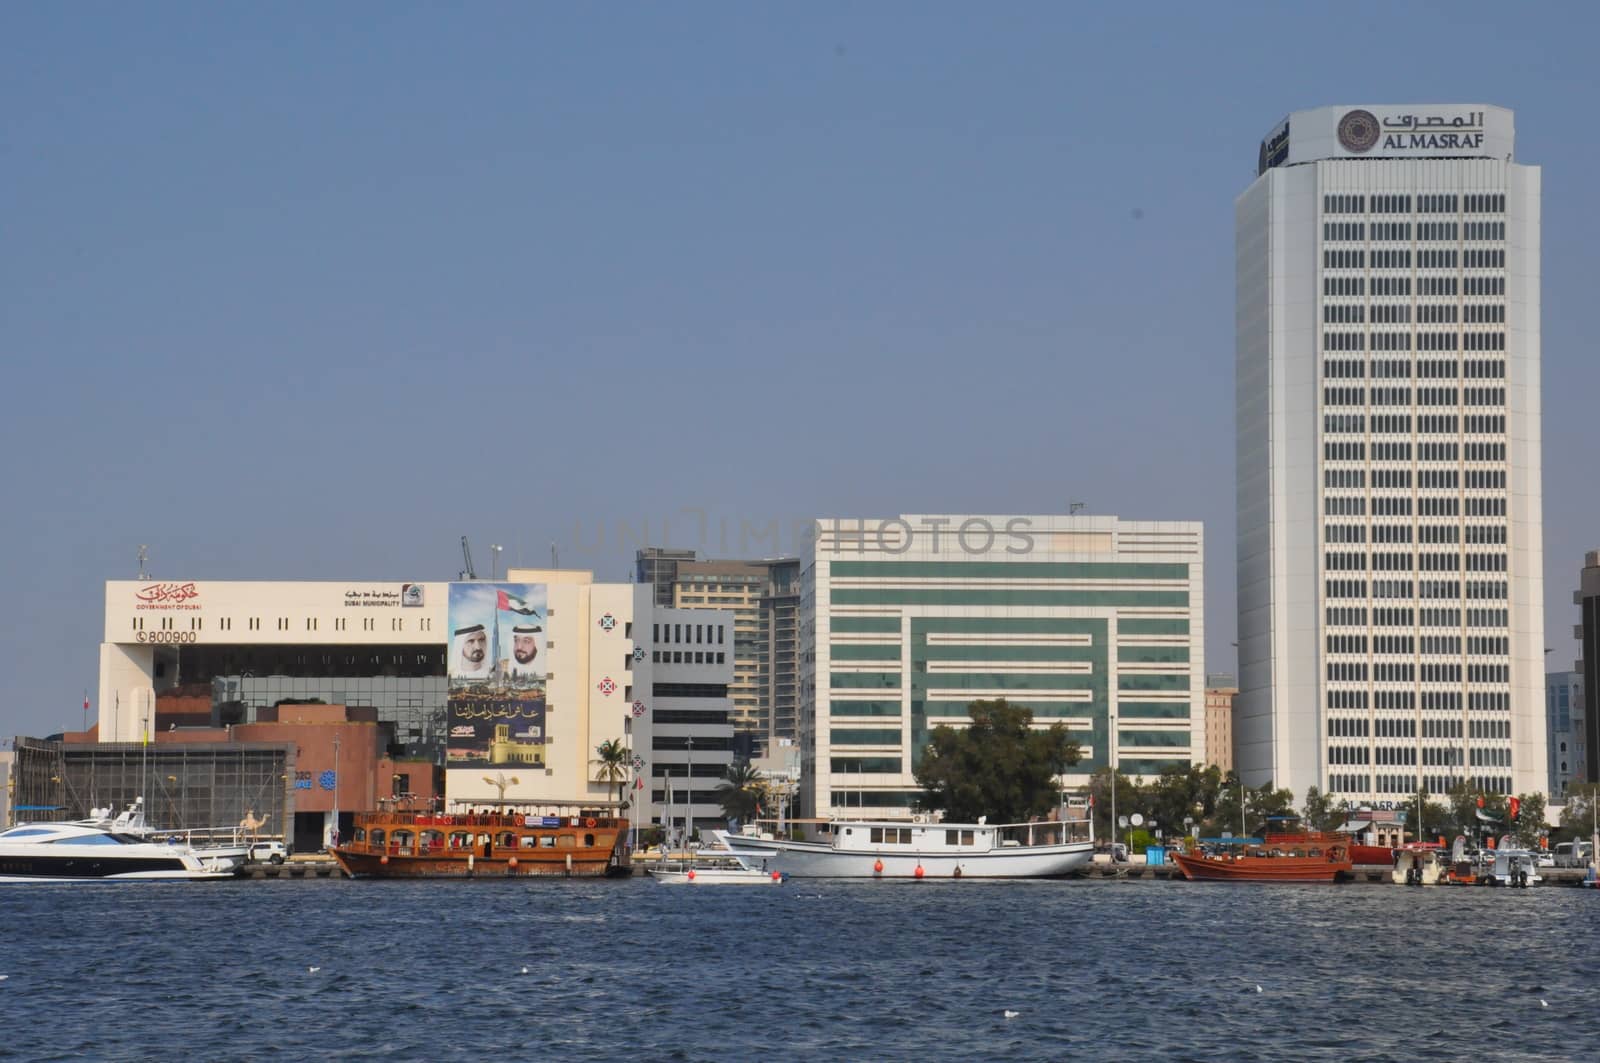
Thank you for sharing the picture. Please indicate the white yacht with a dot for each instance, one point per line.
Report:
(214, 845)
(923, 848)
(85, 852)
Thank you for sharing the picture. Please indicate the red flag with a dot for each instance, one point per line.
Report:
(86, 703)
(638, 784)
(1516, 808)
(1480, 802)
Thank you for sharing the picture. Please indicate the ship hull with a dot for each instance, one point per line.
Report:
(817, 860)
(367, 865)
(1260, 869)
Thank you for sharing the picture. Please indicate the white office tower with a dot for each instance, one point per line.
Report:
(1391, 630)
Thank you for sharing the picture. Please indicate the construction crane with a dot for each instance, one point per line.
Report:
(466, 554)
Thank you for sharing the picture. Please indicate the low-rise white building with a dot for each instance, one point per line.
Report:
(511, 685)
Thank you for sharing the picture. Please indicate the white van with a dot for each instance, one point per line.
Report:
(1574, 854)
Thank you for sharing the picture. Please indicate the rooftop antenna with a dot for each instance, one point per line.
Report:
(555, 558)
(144, 556)
(466, 555)
(1074, 507)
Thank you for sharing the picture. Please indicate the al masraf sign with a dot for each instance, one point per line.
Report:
(1392, 132)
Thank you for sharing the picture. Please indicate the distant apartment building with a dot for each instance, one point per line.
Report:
(1220, 689)
(1564, 720)
(1092, 622)
(763, 597)
(1587, 598)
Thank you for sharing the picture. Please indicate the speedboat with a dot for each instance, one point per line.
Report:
(703, 874)
(83, 852)
(1512, 867)
(923, 848)
(1417, 865)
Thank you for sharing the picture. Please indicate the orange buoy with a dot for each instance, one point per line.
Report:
(691, 874)
(384, 859)
(512, 862)
(877, 866)
(589, 822)
(919, 871)
(777, 876)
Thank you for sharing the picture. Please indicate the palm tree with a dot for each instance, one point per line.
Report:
(612, 765)
(740, 791)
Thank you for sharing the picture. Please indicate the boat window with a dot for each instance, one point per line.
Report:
(529, 841)
(27, 832)
(361, 834)
(588, 841)
(378, 836)
(566, 841)
(1316, 852)
(952, 837)
(102, 839)
(891, 835)
(548, 841)
(432, 839)
(402, 838)
(967, 838)
(460, 839)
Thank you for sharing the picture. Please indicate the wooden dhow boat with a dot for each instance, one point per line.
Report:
(573, 841)
(1300, 856)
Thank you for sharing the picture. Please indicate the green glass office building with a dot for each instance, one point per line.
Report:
(1094, 622)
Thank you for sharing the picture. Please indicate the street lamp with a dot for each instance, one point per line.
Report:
(494, 559)
(336, 790)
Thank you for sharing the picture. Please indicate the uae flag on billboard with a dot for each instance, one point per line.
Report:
(510, 603)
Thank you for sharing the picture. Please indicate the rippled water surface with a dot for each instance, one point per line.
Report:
(808, 970)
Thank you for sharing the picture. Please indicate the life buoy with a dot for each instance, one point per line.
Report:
(589, 822)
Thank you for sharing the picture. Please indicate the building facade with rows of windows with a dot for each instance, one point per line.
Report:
(510, 686)
(1391, 631)
(1092, 622)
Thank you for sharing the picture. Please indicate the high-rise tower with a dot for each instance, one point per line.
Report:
(1391, 631)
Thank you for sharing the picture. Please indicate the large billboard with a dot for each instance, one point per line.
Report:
(496, 712)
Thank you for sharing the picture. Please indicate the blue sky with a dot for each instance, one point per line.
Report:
(311, 291)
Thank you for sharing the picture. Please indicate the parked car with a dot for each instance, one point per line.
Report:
(267, 852)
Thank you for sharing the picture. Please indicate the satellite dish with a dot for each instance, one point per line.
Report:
(1136, 819)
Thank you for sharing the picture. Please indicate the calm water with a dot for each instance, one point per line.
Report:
(820, 970)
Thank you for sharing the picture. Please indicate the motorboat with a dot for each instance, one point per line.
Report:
(704, 873)
(923, 848)
(84, 852)
(1417, 866)
(1512, 867)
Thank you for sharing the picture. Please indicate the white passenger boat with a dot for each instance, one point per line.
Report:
(923, 849)
(714, 876)
(83, 852)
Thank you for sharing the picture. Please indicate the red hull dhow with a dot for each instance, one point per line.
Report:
(559, 842)
(1299, 857)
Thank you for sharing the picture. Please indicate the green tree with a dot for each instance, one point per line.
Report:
(740, 791)
(1182, 792)
(1578, 817)
(1529, 825)
(1130, 799)
(999, 766)
(612, 764)
(1321, 812)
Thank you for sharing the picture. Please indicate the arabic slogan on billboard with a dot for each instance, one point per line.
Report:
(496, 711)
